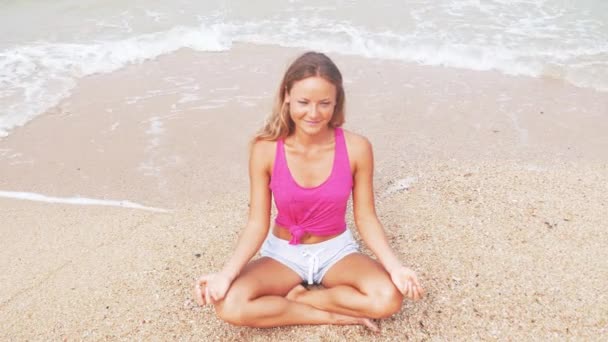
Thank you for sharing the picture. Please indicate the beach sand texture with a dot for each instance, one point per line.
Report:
(492, 187)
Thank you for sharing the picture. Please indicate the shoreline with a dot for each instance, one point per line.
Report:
(137, 117)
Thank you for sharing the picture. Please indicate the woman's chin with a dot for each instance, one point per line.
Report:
(313, 129)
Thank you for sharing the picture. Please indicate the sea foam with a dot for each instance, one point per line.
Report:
(30, 196)
(35, 77)
(537, 38)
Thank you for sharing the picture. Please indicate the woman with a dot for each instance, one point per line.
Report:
(310, 165)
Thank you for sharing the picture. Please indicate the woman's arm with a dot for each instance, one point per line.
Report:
(366, 220)
(257, 226)
(214, 286)
(369, 226)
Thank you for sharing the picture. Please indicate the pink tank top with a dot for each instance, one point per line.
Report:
(318, 210)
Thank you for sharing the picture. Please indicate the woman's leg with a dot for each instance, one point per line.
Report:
(257, 299)
(356, 286)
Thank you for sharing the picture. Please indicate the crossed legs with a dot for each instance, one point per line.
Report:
(357, 286)
(269, 294)
(257, 299)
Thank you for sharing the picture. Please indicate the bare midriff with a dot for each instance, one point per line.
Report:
(284, 234)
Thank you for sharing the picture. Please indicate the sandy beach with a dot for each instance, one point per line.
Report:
(492, 187)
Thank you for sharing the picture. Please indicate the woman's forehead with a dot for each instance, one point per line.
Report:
(313, 86)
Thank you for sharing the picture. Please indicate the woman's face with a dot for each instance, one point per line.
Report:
(311, 104)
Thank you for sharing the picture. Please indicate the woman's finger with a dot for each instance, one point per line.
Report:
(416, 291)
(201, 284)
(405, 289)
(217, 296)
(198, 296)
(203, 279)
(207, 295)
(213, 294)
(416, 282)
(419, 292)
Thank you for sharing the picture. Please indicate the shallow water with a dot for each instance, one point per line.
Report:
(46, 47)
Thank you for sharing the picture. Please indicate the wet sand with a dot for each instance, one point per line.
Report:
(492, 187)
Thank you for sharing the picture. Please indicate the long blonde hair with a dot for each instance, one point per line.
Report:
(278, 124)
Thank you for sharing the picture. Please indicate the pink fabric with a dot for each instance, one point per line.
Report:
(318, 210)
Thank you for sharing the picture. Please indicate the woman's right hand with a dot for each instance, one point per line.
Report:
(210, 288)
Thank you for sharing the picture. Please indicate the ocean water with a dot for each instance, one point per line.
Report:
(46, 46)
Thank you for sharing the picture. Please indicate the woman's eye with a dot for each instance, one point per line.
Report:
(302, 102)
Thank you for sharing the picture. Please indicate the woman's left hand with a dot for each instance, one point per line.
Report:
(407, 282)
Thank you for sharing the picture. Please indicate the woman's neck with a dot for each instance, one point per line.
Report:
(307, 140)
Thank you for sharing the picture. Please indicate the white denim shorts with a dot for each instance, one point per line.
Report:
(310, 261)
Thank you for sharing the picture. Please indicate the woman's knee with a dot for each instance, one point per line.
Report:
(230, 309)
(386, 301)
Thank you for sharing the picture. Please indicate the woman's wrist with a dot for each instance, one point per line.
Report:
(391, 266)
(229, 273)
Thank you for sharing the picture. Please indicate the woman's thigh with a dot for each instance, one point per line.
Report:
(359, 271)
(263, 277)
(379, 296)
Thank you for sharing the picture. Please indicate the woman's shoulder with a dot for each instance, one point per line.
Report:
(356, 144)
(262, 145)
(359, 150)
(263, 152)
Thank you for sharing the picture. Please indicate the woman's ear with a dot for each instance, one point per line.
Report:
(286, 101)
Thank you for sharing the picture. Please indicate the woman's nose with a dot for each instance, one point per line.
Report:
(314, 110)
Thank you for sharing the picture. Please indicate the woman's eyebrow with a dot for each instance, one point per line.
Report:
(307, 99)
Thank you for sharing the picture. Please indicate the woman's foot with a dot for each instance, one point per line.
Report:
(344, 319)
(296, 292)
(370, 325)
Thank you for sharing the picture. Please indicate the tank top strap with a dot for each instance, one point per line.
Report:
(342, 161)
(279, 158)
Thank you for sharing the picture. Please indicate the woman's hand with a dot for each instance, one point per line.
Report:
(211, 288)
(407, 282)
